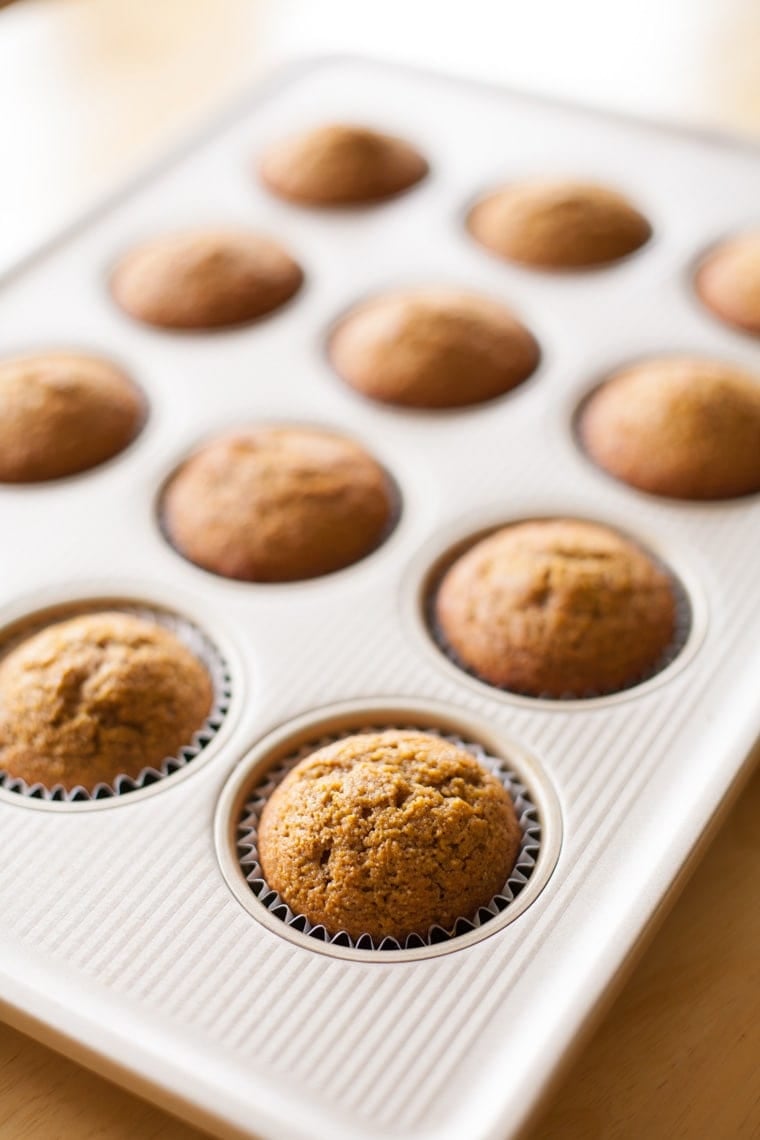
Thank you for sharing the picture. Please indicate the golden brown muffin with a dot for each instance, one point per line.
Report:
(557, 608)
(388, 834)
(98, 696)
(341, 165)
(728, 281)
(433, 348)
(677, 426)
(63, 412)
(278, 504)
(205, 279)
(558, 225)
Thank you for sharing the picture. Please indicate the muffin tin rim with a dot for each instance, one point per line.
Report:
(82, 597)
(455, 538)
(350, 716)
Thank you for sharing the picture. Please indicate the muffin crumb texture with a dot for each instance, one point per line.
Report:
(205, 279)
(433, 348)
(558, 224)
(97, 696)
(682, 427)
(728, 281)
(557, 608)
(278, 504)
(388, 834)
(62, 413)
(341, 165)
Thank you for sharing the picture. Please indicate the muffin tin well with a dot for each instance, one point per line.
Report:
(204, 742)
(267, 763)
(425, 575)
(128, 925)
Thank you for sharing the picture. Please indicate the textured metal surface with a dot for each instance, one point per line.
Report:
(117, 925)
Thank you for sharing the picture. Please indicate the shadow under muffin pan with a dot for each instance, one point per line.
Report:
(121, 932)
(264, 768)
(199, 746)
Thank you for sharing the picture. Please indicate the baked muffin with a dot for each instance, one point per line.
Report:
(558, 224)
(278, 504)
(728, 281)
(557, 608)
(388, 834)
(433, 348)
(98, 696)
(341, 165)
(205, 279)
(679, 426)
(63, 412)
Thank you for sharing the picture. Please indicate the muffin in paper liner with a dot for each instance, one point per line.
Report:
(248, 856)
(682, 629)
(193, 638)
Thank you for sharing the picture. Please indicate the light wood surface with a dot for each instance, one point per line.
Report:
(96, 87)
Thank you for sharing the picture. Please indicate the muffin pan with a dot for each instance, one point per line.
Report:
(131, 949)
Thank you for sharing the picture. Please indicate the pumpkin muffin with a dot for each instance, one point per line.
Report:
(558, 224)
(278, 504)
(341, 165)
(98, 696)
(388, 834)
(433, 348)
(728, 282)
(62, 413)
(205, 279)
(678, 426)
(557, 608)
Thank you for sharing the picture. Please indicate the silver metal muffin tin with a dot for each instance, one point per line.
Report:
(121, 941)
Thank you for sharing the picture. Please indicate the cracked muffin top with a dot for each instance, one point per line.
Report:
(557, 608)
(388, 834)
(728, 282)
(205, 279)
(558, 224)
(433, 348)
(97, 696)
(680, 426)
(341, 165)
(278, 504)
(62, 413)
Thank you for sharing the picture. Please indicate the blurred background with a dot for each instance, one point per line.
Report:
(92, 88)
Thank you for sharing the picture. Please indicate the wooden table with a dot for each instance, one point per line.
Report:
(96, 87)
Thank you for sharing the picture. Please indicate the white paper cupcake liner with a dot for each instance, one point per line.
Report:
(527, 814)
(198, 644)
